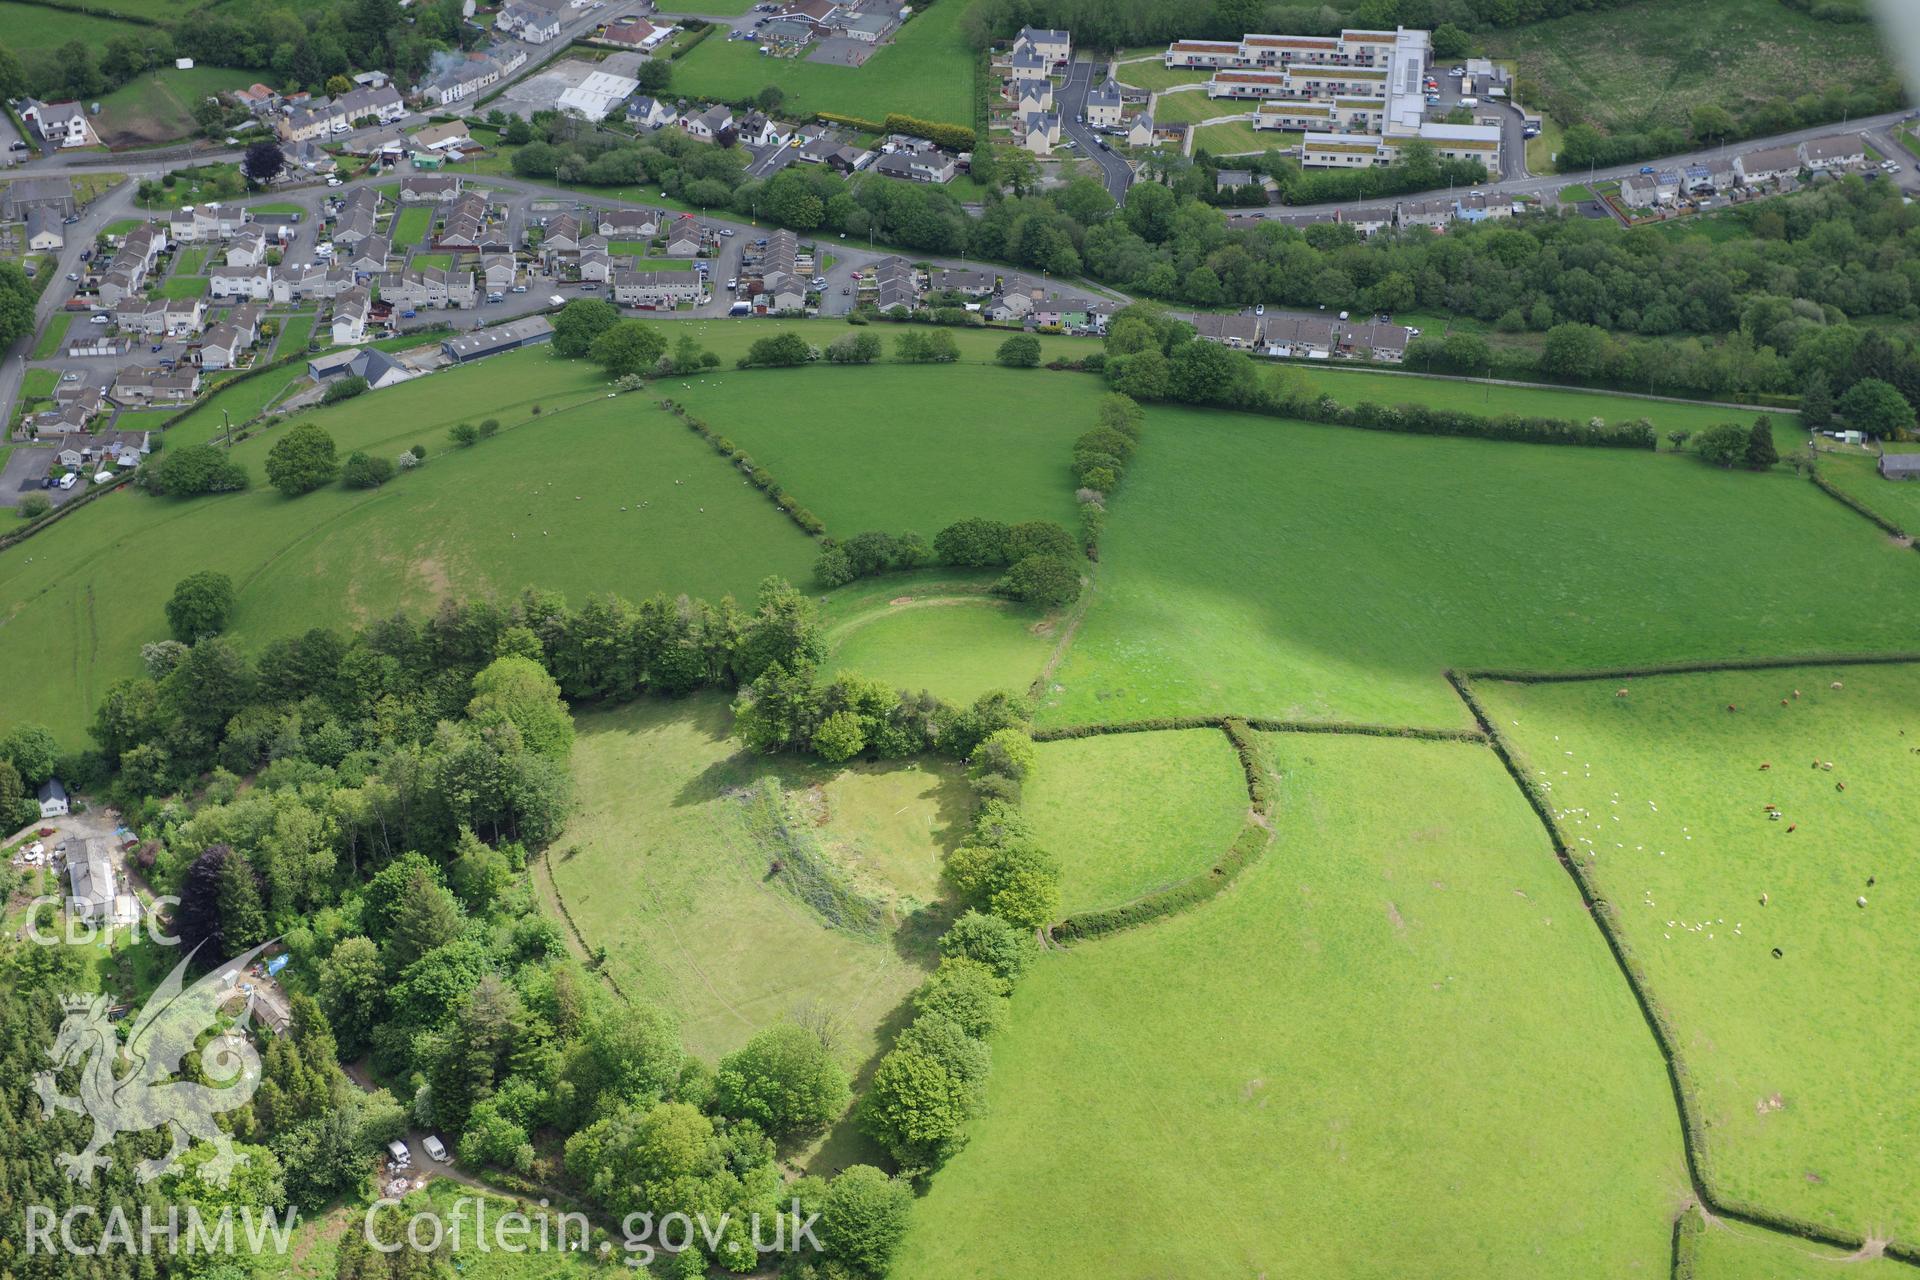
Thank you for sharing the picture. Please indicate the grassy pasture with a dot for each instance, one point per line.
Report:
(901, 448)
(1354, 385)
(926, 71)
(1857, 475)
(238, 403)
(158, 107)
(1652, 63)
(1231, 581)
(541, 504)
(1803, 1060)
(36, 30)
(1396, 1043)
(664, 866)
(1128, 813)
(1735, 1251)
(933, 633)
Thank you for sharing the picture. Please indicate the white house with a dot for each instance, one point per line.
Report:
(253, 283)
(351, 311)
(53, 799)
(648, 113)
(64, 124)
(248, 248)
(535, 21)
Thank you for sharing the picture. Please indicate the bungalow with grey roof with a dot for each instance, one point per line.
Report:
(1241, 332)
(45, 231)
(708, 125)
(1841, 151)
(1767, 163)
(429, 188)
(629, 224)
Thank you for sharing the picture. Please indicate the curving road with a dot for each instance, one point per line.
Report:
(1072, 98)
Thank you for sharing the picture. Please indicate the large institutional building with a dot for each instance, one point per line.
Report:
(1358, 96)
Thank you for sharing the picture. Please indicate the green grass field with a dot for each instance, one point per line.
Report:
(931, 631)
(1802, 1057)
(1353, 385)
(1238, 137)
(1397, 1047)
(927, 71)
(1155, 74)
(1858, 476)
(38, 384)
(1260, 567)
(1193, 106)
(442, 261)
(53, 339)
(191, 259)
(158, 107)
(667, 865)
(36, 29)
(179, 286)
(238, 404)
(540, 505)
(295, 330)
(410, 225)
(1652, 63)
(902, 449)
(1734, 1251)
(1129, 813)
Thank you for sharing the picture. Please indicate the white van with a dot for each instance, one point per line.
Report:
(69, 480)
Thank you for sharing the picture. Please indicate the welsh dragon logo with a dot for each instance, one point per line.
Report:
(150, 1093)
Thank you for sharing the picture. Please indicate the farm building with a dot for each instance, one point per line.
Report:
(501, 337)
(1900, 466)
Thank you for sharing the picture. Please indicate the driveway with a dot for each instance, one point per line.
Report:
(1114, 171)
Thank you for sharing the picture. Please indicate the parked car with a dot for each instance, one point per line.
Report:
(333, 182)
(590, 286)
(69, 377)
(1646, 168)
(1259, 308)
(399, 1153)
(819, 282)
(69, 480)
(73, 275)
(102, 320)
(434, 1147)
(157, 346)
(519, 288)
(727, 232)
